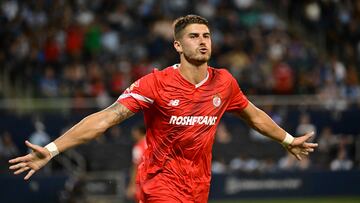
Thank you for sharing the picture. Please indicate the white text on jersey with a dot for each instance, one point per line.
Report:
(174, 102)
(192, 120)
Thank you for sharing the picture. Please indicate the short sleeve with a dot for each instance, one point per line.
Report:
(140, 94)
(238, 100)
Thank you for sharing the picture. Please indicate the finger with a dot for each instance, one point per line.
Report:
(298, 157)
(18, 159)
(309, 149)
(17, 166)
(304, 153)
(36, 148)
(312, 145)
(29, 174)
(303, 138)
(21, 170)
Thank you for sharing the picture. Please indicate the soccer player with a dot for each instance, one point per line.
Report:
(138, 133)
(182, 106)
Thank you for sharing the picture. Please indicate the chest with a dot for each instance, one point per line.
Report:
(180, 101)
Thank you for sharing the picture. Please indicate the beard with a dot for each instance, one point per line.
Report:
(197, 58)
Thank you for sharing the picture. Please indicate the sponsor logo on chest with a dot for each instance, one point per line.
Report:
(193, 120)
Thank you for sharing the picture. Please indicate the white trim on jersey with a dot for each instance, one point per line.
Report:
(176, 66)
(203, 81)
(137, 96)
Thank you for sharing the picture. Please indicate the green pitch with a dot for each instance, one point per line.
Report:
(295, 200)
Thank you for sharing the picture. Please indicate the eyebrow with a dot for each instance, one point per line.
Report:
(196, 33)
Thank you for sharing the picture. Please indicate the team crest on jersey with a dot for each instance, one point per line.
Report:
(216, 101)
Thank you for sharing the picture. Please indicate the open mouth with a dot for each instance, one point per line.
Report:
(203, 50)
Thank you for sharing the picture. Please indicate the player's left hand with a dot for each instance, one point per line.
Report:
(300, 147)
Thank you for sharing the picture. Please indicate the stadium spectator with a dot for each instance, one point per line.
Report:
(328, 143)
(341, 162)
(8, 149)
(244, 163)
(305, 125)
(289, 163)
(39, 137)
(138, 133)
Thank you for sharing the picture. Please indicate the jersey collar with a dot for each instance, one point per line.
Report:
(176, 66)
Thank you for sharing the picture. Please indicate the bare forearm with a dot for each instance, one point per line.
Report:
(260, 121)
(92, 126)
(266, 126)
(87, 129)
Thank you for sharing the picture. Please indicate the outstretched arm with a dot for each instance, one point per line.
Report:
(87, 129)
(260, 121)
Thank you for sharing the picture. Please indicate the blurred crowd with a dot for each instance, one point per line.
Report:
(97, 48)
(233, 153)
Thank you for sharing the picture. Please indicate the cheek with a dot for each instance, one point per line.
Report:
(188, 47)
(209, 43)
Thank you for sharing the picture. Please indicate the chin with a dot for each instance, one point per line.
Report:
(204, 59)
(198, 60)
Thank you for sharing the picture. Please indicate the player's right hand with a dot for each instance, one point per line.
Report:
(31, 162)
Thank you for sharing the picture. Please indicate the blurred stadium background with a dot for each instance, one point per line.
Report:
(61, 60)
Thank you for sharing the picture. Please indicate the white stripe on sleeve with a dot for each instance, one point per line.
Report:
(136, 96)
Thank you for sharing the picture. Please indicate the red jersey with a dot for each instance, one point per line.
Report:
(181, 120)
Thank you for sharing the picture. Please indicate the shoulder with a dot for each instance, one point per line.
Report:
(221, 73)
(165, 75)
(166, 71)
(156, 78)
(157, 74)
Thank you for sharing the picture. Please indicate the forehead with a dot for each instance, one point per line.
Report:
(196, 28)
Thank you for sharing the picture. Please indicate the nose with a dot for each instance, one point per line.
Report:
(202, 41)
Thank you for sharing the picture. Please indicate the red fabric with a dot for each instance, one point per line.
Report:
(181, 122)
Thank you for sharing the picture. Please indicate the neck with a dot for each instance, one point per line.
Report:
(193, 73)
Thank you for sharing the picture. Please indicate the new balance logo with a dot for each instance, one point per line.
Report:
(174, 102)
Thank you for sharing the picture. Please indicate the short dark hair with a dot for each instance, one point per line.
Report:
(181, 23)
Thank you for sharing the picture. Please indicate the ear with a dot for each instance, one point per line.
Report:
(178, 47)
